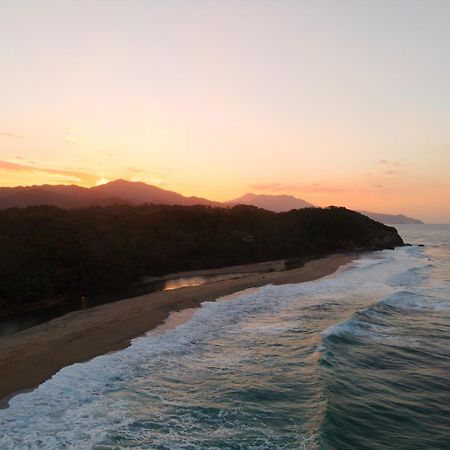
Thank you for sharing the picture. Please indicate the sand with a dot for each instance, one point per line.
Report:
(31, 356)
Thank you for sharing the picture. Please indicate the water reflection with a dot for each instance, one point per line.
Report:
(32, 318)
(177, 283)
(184, 282)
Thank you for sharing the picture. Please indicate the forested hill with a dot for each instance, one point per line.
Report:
(48, 252)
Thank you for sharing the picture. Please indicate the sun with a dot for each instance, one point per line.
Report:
(102, 181)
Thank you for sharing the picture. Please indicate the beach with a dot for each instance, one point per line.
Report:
(31, 356)
(356, 359)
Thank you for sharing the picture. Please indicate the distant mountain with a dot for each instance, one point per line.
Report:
(115, 192)
(281, 203)
(62, 196)
(29, 196)
(138, 193)
(392, 219)
(277, 203)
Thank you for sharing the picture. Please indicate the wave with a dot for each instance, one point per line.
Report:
(277, 367)
(385, 375)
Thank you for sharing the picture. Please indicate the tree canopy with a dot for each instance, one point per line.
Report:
(48, 252)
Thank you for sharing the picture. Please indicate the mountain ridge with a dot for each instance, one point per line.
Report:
(394, 219)
(284, 203)
(115, 192)
(135, 193)
(276, 203)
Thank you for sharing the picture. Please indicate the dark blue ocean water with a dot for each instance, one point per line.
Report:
(358, 360)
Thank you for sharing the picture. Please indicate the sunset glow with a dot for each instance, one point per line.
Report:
(344, 103)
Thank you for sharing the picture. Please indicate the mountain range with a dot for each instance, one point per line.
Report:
(282, 203)
(115, 192)
(135, 193)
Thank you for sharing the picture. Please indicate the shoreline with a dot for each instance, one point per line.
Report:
(49, 309)
(30, 357)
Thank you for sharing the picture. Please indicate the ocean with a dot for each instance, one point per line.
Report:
(357, 360)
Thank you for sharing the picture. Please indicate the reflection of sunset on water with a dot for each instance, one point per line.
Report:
(183, 282)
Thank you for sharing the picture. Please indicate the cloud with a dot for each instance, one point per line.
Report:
(71, 140)
(65, 178)
(142, 175)
(70, 136)
(60, 173)
(6, 165)
(135, 170)
(8, 134)
(391, 167)
(108, 152)
(268, 186)
(309, 188)
(387, 162)
(320, 188)
(21, 160)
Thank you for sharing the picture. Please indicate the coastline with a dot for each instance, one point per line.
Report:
(31, 356)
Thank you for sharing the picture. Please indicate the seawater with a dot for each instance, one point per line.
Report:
(356, 360)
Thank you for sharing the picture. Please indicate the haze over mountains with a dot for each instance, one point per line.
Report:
(135, 193)
(277, 203)
(282, 203)
(391, 218)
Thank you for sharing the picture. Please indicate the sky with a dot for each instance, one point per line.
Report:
(337, 102)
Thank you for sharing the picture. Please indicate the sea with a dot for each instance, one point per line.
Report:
(357, 360)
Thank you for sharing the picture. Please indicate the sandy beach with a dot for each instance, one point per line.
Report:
(29, 357)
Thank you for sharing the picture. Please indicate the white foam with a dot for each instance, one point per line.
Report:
(84, 403)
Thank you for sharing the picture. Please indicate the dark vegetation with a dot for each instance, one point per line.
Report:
(52, 253)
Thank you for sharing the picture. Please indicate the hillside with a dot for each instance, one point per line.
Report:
(115, 192)
(138, 193)
(53, 253)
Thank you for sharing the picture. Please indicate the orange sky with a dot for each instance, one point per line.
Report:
(337, 103)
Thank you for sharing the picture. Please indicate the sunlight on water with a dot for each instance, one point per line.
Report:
(184, 282)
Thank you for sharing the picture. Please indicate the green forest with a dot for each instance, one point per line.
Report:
(48, 252)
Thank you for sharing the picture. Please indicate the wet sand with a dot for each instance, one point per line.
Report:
(31, 356)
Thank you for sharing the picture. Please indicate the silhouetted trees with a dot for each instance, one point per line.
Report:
(47, 252)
